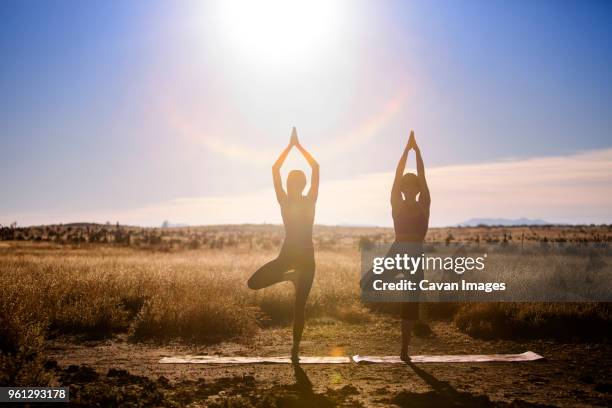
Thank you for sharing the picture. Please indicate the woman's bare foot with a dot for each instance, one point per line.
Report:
(404, 354)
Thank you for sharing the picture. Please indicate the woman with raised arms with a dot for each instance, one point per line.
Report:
(410, 222)
(295, 262)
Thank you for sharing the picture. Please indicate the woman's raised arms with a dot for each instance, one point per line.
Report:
(424, 196)
(281, 195)
(396, 190)
(314, 178)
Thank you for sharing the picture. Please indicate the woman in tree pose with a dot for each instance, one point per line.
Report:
(410, 221)
(295, 262)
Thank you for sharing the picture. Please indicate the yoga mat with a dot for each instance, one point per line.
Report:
(251, 360)
(466, 358)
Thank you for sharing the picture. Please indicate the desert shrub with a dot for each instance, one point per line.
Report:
(22, 333)
(132, 304)
(565, 321)
(93, 318)
(365, 243)
(201, 314)
(75, 295)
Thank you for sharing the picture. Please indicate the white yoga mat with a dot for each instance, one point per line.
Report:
(252, 360)
(466, 358)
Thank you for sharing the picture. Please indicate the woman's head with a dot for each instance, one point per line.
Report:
(410, 185)
(296, 181)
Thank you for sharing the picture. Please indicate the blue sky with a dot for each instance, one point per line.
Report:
(111, 107)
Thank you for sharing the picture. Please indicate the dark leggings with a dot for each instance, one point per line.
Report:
(300, 261)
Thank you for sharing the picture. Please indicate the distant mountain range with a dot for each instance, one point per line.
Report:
(473, 222)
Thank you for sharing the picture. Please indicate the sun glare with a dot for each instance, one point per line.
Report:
(277, 32)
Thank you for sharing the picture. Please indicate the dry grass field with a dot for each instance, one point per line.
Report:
(134, 294)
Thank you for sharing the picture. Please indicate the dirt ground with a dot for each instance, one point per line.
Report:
(573, 374)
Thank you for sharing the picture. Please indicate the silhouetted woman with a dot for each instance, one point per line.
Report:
(410, 221)
(295, 262)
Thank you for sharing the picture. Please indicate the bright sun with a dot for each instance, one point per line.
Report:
(278, 32)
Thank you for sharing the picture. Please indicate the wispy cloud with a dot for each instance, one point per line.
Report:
(570, 189)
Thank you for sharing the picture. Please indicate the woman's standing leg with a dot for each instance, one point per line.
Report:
(410, 310)
(407, 326)
(303, 283)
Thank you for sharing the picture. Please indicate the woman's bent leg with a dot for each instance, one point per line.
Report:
(269, 274)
